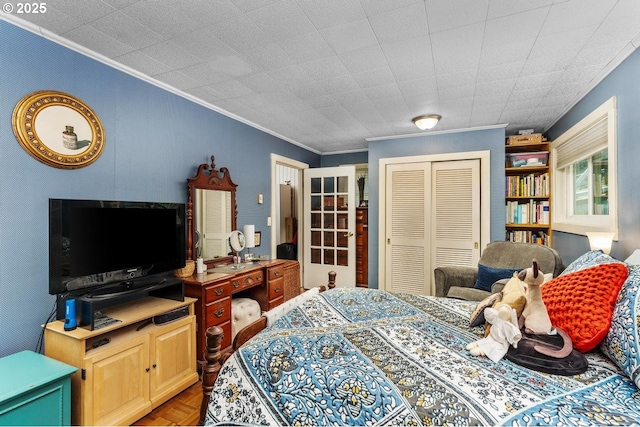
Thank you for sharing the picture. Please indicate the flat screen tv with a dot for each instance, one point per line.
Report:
(96, 244)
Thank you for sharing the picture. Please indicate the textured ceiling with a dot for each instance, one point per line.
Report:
(330, 74)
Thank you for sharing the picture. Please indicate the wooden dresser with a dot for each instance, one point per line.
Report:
(263, 282)
(362, 243)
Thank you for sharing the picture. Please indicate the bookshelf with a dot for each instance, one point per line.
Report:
(528, 189)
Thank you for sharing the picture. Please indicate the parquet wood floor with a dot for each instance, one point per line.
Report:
(182, 410)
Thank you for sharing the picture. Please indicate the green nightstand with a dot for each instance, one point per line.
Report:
(35, 390)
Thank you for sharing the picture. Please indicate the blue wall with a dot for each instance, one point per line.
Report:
(622, 83)
(345, 159)
(490, 139)
(154, 141)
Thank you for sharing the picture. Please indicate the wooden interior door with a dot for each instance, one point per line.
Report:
(329, 225)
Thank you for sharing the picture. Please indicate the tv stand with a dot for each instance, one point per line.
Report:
(127, 369)
(162, 287)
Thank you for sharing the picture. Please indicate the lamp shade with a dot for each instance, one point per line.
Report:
(249, 232)
(426, 122)
(600, 240)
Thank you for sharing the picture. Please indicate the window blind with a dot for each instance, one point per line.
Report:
(586, 143)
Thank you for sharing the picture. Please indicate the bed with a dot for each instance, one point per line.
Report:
(353, 356)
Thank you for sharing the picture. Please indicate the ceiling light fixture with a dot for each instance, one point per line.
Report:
(426, 122)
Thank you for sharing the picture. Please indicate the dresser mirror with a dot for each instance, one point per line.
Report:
(211, 214)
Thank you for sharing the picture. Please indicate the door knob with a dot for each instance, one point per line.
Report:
(349, 234)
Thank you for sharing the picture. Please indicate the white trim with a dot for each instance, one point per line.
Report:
(561, 220)
(485, 201)
(439, 132)
(278, 159)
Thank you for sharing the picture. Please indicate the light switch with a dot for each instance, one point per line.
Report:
(268, 221)
(260, 199)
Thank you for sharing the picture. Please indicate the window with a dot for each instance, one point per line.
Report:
(584, 166)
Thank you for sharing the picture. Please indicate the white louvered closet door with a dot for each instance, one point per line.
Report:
(407, 230)
(456, 214)
(432, 219)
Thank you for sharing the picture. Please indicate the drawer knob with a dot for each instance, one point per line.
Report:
(219, 313)
(248, 281)
(218, 291)
(277, 289)
(276, 273)
(259, 277)
(236, 284)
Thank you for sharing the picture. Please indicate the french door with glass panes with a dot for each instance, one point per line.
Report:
(329, 209)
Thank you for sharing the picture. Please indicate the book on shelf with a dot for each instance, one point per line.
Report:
(530, 185)
(527, 236)
(530, 212)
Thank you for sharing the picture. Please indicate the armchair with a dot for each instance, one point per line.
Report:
(457, 282)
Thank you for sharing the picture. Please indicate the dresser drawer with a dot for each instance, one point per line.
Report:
(276, 288)
(275, 302)
(220, 290)
(275, 273)
(226, 338)
(246, 281)
(219, 312)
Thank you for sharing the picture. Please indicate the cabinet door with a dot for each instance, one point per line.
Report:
(173, 359)
(117, 383)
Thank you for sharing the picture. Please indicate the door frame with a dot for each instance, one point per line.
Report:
(300, 166)
(485, 199)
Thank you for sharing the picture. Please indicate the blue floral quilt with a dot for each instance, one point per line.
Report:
(353, 356)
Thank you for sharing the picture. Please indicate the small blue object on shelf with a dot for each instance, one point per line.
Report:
(35, 390)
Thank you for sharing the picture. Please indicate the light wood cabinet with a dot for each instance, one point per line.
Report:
(129, 368)
(528, 190)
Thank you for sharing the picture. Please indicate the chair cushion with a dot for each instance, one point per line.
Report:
(581, 303)
(487, 276)
(243, 312)
(467, 293)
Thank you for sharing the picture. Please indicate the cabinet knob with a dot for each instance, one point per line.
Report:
(219, 313)
(147, 369)
(218, 291)
(154, 365)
